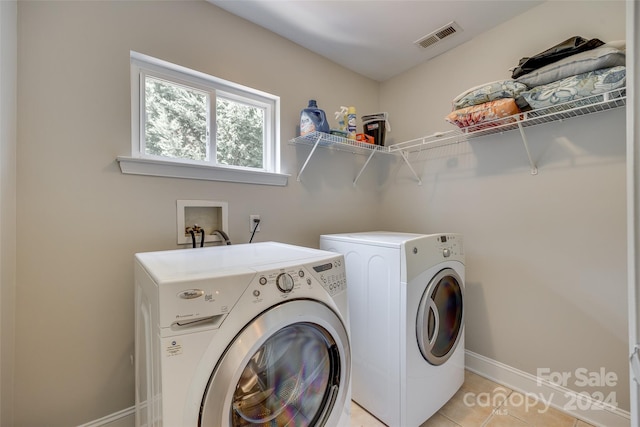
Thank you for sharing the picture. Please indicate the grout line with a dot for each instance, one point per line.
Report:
(444, 416)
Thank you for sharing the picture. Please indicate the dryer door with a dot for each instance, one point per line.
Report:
(289, 367)
(440, 317)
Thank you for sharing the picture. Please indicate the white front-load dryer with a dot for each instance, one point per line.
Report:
(406, 311)
(242, 335)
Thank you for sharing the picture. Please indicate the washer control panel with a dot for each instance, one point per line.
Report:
(331, 275)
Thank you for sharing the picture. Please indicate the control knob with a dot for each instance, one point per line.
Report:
(285, 282)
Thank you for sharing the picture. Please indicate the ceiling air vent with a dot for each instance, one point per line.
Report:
(434, 37)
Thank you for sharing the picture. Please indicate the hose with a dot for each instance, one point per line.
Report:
(224, 236)
(193, 237)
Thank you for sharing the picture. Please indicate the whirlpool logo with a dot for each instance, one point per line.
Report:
(191, 293)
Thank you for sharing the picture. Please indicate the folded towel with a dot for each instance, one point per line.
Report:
(484, 115)
(487, 92)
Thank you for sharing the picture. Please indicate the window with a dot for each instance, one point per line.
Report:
(191, 125)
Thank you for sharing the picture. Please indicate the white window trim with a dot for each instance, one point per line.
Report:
(140, 164)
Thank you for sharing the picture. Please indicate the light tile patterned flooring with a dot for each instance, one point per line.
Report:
(507, 412)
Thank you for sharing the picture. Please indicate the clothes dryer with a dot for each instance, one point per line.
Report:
(406, 308)
(242, 335)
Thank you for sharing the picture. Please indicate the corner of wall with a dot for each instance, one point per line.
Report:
(8, 143)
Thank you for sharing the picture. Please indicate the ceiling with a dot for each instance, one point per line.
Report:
(376, 38)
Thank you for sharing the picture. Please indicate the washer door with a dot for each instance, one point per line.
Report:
(440, 317)
(289, 367)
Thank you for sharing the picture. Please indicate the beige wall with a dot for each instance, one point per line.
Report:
(81, 220)
(546, 254)
(546, 278)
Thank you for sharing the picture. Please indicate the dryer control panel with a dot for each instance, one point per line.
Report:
(450, 245)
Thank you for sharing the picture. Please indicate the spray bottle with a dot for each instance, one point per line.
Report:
(341, 117)
(351, 123)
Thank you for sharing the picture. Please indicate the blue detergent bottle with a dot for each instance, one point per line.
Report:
(313, 119)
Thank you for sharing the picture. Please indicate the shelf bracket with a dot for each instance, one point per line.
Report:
(355, 181)
(309, 157)
(405, 157)
(534, 168)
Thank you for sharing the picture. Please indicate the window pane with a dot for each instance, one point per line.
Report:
(176, 121)
(240, 134)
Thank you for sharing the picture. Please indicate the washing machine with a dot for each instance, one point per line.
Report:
(242, 335)
(406, 311)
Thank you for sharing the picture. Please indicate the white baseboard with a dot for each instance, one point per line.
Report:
(123, 418)
(561, 398)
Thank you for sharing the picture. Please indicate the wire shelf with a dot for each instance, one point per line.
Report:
(338, 143)
(579, 107)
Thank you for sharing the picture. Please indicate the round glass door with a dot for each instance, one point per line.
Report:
(289, 367)
(440, 317)
(287, 380)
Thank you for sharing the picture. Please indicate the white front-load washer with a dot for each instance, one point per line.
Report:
(406, 312)
(242, 335)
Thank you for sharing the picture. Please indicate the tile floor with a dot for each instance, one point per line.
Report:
(504, 414)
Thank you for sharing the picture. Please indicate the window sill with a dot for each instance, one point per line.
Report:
(139, 166)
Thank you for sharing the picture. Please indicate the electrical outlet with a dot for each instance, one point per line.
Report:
(252, 223)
